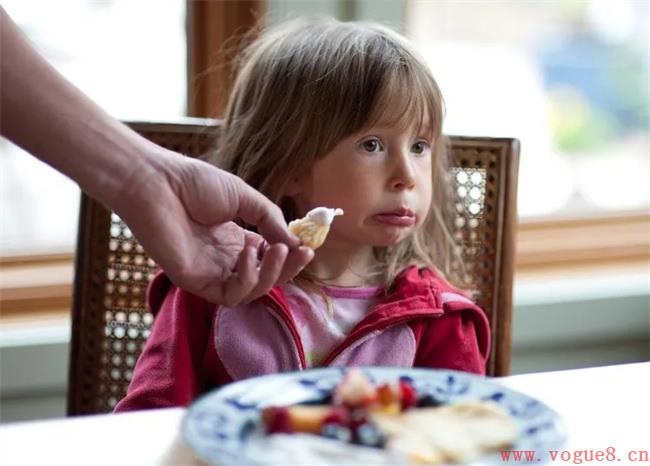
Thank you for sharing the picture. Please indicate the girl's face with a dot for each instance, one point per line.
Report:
(380, 177)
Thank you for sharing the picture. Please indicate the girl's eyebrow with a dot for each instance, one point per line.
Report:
(389, 127)
(425, 133)
(375, 127)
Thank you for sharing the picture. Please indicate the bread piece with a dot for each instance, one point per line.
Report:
(313, 228)
(456, 433)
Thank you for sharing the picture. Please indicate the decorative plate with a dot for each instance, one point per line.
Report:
(224, 426)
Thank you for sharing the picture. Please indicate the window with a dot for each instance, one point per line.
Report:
(569, 79)
(130, 64)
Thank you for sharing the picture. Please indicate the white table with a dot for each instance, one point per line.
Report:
(603, 407)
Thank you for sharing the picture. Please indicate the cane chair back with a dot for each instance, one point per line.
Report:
(111, 322)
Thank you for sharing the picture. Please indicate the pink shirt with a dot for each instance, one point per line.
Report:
(319, 331)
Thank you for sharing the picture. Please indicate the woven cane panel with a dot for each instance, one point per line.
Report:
(127, 322)
(475, 184)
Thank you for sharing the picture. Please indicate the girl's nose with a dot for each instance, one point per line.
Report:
(403, 176)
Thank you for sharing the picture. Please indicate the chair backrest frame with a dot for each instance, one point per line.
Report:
(109, 318)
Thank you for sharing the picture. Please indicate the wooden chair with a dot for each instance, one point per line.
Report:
(111, 322)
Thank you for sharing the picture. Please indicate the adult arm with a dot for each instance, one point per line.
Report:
(179, 209)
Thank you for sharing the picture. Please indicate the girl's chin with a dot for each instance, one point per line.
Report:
(391, 238)
(371, 237)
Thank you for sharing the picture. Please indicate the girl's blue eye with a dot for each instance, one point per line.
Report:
(371, 145)
(419, 147)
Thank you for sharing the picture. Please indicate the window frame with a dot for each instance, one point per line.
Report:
(42, 284)
(215, 31)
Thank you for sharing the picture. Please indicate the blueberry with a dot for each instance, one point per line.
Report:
(428, 401)
(369, 436)
(337, 432)
(326, 400)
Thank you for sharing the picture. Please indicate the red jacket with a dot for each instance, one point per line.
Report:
(195, 346)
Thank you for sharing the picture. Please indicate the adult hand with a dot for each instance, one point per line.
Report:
(181, 212)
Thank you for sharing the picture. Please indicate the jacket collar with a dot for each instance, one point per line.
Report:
(415, 294)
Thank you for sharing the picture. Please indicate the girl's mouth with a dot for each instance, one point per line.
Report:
(400, 217)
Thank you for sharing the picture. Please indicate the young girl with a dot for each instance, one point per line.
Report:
(342, 115)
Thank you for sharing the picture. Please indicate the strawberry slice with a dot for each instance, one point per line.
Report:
(339, 415)
(277, 420)
(407, 395)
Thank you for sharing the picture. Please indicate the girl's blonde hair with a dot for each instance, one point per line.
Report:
(305, 85)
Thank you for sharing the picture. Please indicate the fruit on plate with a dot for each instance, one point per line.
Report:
(392, 416)
(347, 417)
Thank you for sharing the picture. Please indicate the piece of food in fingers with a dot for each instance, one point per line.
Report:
(312, 229)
